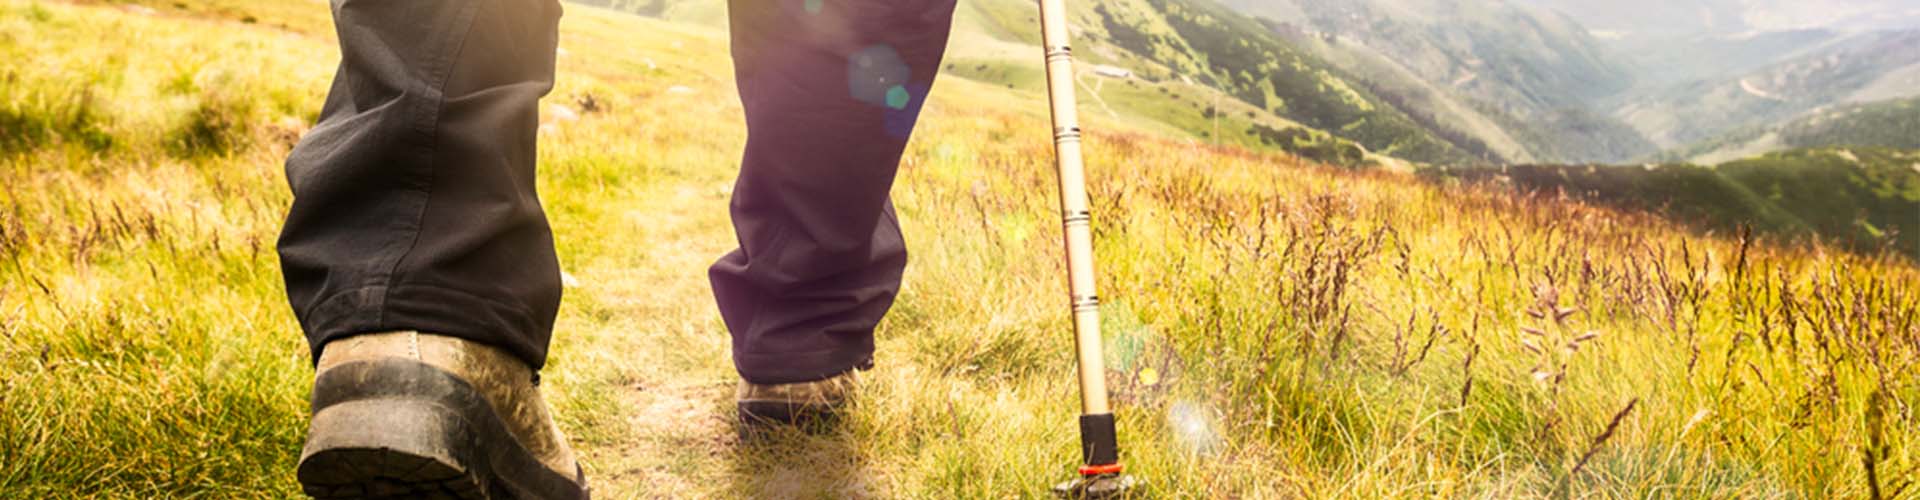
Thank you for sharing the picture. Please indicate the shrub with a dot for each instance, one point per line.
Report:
(219, 124)
(37, 120)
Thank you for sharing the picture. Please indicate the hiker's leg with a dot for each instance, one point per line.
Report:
(414, 204)
(831, 91)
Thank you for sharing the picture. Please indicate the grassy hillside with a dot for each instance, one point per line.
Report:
(1278, 328)
(1859, 196)
(1677, 115)
(1670, 60)
(1886, 124)
(1502, 78)
(1231, 52)
(1882, 124)
(1862, 198)
(1223, 65)
(1429, 102)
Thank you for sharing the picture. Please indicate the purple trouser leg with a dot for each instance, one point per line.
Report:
(831, 90)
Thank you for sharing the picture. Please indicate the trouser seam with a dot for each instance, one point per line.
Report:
(436, 98)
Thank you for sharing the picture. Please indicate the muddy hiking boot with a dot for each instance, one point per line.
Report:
(413, 415)
(804, 404)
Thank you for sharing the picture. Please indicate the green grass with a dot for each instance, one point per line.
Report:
(1279, 328)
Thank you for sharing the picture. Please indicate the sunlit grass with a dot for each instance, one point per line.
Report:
(1276, 328)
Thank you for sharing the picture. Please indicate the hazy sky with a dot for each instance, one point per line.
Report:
(1792, 14)
(1671, 17)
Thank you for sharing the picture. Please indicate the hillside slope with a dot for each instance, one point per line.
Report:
(1516, 78)
(1278, 328)
(1885, 124)
(1684, 113)
(1204, 41)
(996, 42)
(1188, 74)
(1867, 198)
(1205, 49)
(1519, 81)
(1888, 124)
(1653, 19)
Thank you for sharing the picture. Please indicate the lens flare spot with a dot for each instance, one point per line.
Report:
(813, 6)
(1193, 427)
(876, 74)
(897, 97)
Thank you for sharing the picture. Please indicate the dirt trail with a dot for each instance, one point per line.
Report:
(642, 328)
(648, 382)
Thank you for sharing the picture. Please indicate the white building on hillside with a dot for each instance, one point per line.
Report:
(1112, 71)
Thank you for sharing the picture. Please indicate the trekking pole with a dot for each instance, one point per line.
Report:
(1099, 475)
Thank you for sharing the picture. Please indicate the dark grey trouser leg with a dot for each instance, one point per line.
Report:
(414, 203)
(831, 89)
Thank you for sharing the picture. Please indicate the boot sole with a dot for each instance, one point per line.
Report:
(397, 428)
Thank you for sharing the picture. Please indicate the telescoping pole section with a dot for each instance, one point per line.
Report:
(1098, 445)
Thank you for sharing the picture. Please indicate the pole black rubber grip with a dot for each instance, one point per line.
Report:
(1097, 442)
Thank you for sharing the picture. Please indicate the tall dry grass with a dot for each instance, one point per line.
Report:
(1277, 328)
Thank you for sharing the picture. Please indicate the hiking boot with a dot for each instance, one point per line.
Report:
(415, 415)
(796, 403)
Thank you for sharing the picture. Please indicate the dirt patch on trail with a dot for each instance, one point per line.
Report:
(691, 411)
(675, 445)
(681, 442)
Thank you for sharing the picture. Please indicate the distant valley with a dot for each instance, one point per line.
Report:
(1452, 82)
(1537, 81)
(1805, 115)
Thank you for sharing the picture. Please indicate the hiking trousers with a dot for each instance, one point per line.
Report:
(414, 201)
